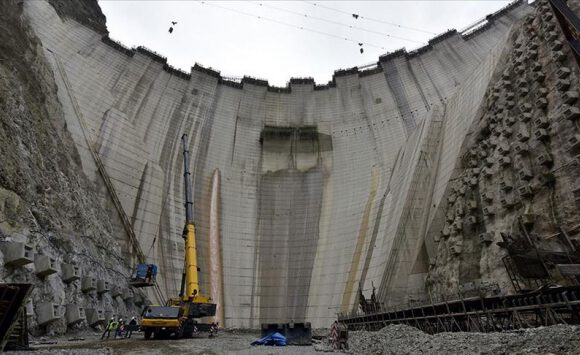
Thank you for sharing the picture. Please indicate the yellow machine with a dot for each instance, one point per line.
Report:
(178, 316)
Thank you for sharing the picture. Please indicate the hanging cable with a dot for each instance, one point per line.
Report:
(291, 25)
(336, 23)
(357, 16)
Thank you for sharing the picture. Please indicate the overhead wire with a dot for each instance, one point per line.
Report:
(335, 22)
(358, 16)
(292, 25)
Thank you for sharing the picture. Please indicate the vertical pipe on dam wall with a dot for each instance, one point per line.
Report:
(215, 256)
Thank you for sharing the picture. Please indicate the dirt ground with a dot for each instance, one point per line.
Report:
(224, 343)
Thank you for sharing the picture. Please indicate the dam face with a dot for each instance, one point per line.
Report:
(325, 191)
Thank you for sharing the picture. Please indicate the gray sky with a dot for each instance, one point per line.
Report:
(229, 36)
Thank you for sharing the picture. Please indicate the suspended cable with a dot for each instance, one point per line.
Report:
(357, 16)
(291, 25)
(336, 23)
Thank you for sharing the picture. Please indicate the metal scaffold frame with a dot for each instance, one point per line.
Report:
(543, 307)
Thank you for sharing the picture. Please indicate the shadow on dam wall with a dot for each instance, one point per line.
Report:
(291, 189)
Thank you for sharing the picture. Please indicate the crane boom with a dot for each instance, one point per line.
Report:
(191, 276)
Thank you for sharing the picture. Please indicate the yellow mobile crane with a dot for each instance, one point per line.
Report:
(178, 316)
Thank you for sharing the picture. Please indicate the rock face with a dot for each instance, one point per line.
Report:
(401, 177)
(46, 201)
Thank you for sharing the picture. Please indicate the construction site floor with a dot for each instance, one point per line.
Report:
(224, 343)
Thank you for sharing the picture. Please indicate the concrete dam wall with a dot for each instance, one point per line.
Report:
(312, 193)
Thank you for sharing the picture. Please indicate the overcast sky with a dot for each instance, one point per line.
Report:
(263, 39)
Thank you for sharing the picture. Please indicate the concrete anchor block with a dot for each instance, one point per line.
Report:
(456, 249)
(472, 205)
(507, 201)
(488, 196)
(499, 108)
(532, 54)
(557, 45)
(551, 36)
(507, 132)
(74, 314)
(70, 273)
(544, 159)
(473, 182)
(525, 191)
(558, 56)
(573, 143)
(47, 312)
(547, 16)
(486, 238)
(488, 211)
(128, 294)
(510, 121)
(103, 286)
(116, 291)
(450, 216)
(507, 84)
(562, 84)
(44, 265)
(541, 134)
(523, 135)
(459, 211)
(549, 27)
(505, 161)
(510, 104)
(451, 198)
(506, 184)
(576, 193)
(520, 148)
(537, 67)
(532, 45)
(541, 122)
(458, 224)
(489, 161)
(520, 69)
(487, 172)
(570, 112)
(95, 316)
(506, 74)
(525, 174)
(471, 220)
(541, 103)
(539, 77)
(503, 148)
(542, 92)
(563, 72)
(525, 108)
(569, 97)
(493, 142)
(17, 254)
(88, 284)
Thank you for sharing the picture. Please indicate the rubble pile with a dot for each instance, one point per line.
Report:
(402, 339)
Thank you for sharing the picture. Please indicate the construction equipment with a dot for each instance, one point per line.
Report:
(178, 316)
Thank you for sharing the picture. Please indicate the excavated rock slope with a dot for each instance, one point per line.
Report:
(45, 199)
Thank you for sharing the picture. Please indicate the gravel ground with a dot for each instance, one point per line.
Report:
(401, 339)
(224, 343)
(394, 339)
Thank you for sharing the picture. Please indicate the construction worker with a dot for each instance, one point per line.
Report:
(120, 328)
(132, 326)
(110, 326)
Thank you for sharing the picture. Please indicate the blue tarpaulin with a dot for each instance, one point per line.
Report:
(276, 339)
